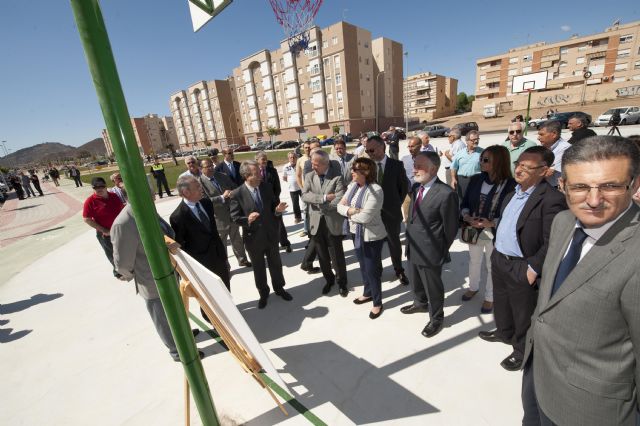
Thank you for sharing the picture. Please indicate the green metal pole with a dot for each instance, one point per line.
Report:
(526, 118)
(97, 48)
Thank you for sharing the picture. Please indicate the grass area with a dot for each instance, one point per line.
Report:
(172, 171)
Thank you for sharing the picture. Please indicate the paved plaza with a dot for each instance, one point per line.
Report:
(78, 347)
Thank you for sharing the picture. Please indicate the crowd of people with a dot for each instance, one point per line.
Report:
(552, 221)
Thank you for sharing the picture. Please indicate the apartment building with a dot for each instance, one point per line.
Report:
(429, 96)
(203, 116)
(329, 85)
(612, 59)
(153, 135)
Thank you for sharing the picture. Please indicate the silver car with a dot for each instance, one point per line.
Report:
(628, 115)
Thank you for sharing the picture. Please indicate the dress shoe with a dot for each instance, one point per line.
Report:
(327, 288)
(374, 316)
(360, 301)
(432, 329)
(195, 332)
(245, 263)
(490, 336)
(285, 295)
(262, 303)
(468, 295)
(511, 363)
(297, 220)
(287, 248)
(402, 277)
(344, 291)
(303, 234)
(487, 307)
(310, 269)
(413, 309)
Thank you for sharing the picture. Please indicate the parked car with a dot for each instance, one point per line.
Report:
(261, 146)
(628, 115)
(465, 127)
(3, 188)
(288, 145)
(563, 117)
(234, 146)
(535, 122)
(436, 130)
(242, 148)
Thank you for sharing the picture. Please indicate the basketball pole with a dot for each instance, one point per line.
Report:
(97, 49)
(526, 117)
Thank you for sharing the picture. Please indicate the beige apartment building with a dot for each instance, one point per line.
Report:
(612, 59)
(329, 85)
(204, 116)
(429, 96)
(154, 135)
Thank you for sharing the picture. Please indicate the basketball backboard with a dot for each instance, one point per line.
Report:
(202, 11)
(529, 82)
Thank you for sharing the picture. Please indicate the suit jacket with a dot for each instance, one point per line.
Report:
(203, 245)
(395, 186)
(346, 172)
(435, 225)
(534, 223)
(264, 230)
(585, 338)
(313, 194)
(220, 206)
(581, 133)
(273, 180)
(223, 168)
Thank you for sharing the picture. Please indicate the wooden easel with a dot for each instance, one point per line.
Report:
(247, 362)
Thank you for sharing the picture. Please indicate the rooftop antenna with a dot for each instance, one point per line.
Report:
(616, 22)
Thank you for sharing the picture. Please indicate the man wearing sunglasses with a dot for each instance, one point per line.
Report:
(99, 212)
(521, 241)
(517, 143)
(193, 169)
(583, 347)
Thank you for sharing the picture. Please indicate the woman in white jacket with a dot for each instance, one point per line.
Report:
(361, 204)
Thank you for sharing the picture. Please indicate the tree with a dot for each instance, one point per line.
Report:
(462, 103)
(272, 131)
(336, 129)
(172, 150)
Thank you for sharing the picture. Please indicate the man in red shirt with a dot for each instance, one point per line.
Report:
(99, 212)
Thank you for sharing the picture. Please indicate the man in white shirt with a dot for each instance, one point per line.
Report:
(456, 144)
(549, 136)
(193, 169)
(289, 176)
(414, 144)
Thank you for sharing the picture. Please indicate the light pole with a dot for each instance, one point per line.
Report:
(377, 91)
(231, 126)
(406, 103)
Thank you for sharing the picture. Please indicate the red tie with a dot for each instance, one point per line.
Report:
(418, 200)
(263, 174)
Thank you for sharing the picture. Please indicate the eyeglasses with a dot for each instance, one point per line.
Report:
(527, 169)
(474, 140)
(485, 160)
(514, 132)
(581, 191)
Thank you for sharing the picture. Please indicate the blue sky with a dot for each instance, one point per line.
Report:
(48, 95)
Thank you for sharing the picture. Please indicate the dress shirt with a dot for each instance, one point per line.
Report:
(507, 235)
(467, 163)
(289, 171)
(594, 234)
(188, 173)
(232, 169)
(427, 186)
(407, 161)
(429, 147)
(558, 149)
(456, 146)
(195, 211)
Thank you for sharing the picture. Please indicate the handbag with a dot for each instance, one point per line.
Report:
(469, 234)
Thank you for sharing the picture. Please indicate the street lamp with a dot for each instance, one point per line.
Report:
(377, 91)
(406, 104)
(231, 126)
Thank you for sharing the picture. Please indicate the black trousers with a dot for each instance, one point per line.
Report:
(282, 233)
(38, 188)
(268, 249)
(330, 251)
(533, 415)
(428, 289)
(295, 199)
(514, 300)
(77, 180)
(392, 226)
(161, 180)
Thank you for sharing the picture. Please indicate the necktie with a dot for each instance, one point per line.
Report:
(380, 173)
(264, 174)
(256, 198)
(232, 170)
(416, 205)
(215, 183)
(343, 164)
(204, 219)
(570, 260)
(321, 179)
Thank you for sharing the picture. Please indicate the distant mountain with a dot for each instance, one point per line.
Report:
(53, 151)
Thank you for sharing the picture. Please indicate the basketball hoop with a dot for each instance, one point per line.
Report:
(296, 18)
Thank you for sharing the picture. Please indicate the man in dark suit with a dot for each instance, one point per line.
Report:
(194, 223)
(582, 357)
(254, 206)
(217, 187)
(270, 177)
(230, 167)
(579, 126)
(431, 228)
(393, 180)
(323, 189)
(521, 241)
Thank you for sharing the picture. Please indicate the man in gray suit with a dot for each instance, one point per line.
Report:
(323, 189)
(343, 158)
(583, 346)
(431, 228)
(218, 186)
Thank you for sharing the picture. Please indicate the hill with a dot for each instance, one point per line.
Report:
(53, 151)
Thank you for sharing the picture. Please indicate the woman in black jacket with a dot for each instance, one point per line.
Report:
(479, 209)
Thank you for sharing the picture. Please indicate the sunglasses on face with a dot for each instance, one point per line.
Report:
(515, 132)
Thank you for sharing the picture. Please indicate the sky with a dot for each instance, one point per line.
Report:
(48, 94)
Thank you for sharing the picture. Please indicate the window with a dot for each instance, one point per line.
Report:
(622, 67)
(564, 50)
(340, 112)
(513, 60)
(315, 85)
(636, 66)
(339, 96)
(338, 79)
(626, 38)
(299, 71)
(512, 72)
(315, 69)
(581, 48)
(325, 44)
(325, 63)
(527, 58)
(483, 77)
(366, 61)
(334, 40)
(563, 63)
(580, 60)
(526, 69)
(623, 53)
(336, 61)
(366, 45)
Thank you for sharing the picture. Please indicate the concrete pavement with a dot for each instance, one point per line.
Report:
(78, 347)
